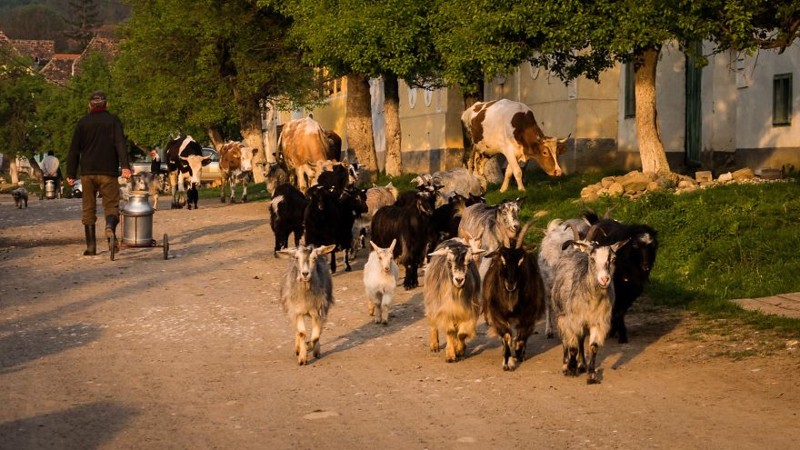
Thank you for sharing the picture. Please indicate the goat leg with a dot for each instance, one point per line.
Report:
(618, 327)
(347, 267)
(508, 362)
(333, 261)
(451, 351)
(300, 341)
(591, 369)
(581, 354)
(434, 339)
(571, 357)
(316, 331)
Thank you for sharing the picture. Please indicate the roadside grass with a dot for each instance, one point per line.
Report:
(718, 244)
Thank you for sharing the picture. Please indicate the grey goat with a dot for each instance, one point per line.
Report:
(582, 299)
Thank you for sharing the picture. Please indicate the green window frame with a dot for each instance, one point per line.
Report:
(630, 91)
(782, 100)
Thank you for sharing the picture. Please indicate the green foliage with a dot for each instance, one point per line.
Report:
(21, 90)
(188, 66)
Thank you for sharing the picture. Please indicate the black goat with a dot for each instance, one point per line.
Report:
(286, 215)
(407, 222)
(329, 218)
(513, 297)
(633, 265)
(446, 218)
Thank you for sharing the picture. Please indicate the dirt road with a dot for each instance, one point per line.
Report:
(195, 352)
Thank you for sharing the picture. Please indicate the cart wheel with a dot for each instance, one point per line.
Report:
(112, 246)
(166, 246)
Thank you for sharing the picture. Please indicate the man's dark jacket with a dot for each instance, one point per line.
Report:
(99, 145)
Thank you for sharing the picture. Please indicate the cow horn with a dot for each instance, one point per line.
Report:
(521, 234)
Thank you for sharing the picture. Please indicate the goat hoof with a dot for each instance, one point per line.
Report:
(549, 335)
(348, 269)
(592, 380)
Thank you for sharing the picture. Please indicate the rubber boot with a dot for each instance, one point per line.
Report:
(111, 226)
(91, 240)
(111, 231)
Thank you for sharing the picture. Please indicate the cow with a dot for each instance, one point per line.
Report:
(508, 127)
(301, 144)
(235, 163)
(185, 160)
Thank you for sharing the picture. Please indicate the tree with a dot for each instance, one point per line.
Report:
(83, 21)
(203, 67)
(368, 39)
(574, 38)
(21, 89)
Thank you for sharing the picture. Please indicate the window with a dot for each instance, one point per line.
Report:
(630, 90)
(782, 99)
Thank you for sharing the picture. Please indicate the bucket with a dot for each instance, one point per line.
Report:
(50, 189)
(137, 220)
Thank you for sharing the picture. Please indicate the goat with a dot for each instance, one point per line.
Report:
(381, 276)
(447, 218)
(329, 217)
(377, 197)
(275, 176)
(582, 298)
(149, 182)
(494, 224)
(452, 297)
(408, 223)
(307, 290)
(550, 251)
(459, 181)
(286, 211)
(513, 297)
(20, 195)
(634, 263)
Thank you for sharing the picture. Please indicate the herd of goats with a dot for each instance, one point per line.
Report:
(585, 276)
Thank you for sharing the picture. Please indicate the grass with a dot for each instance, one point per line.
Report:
(728, 242)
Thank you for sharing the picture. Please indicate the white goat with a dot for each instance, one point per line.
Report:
(582, 298)
(452, 296)
(381, 276)
(307, 290)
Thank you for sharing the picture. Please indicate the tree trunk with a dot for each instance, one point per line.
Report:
(651, 149)
(215, 137)
(394, 159)
(359, 122)
(250, 120)
(13, 170)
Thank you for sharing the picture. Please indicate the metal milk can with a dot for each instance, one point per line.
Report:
(137, 222)
(50, 189)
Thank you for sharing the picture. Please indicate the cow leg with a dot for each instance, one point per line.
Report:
(224, 179)
(512, 169)
(301, 179)
(232, 185)
(245, 182)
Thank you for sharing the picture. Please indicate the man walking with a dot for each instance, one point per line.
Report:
(99, 148)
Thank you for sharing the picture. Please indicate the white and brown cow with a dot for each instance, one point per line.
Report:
(508, 127)
(235, 163)
(302, 143)
(185, 160)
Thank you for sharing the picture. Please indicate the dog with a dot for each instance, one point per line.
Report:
(20, 195)
(148, 182)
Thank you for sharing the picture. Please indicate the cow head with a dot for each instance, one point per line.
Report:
(192, 165)
(247, 155)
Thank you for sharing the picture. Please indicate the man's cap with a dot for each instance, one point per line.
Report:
(97, 97)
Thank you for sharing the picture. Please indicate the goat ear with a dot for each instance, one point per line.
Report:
(391, 246)
(479, 251)
(374, 246)
(287, 253)
(325, 249)
(616, 246)
(439, 252)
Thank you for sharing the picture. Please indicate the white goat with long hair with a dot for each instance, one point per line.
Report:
(307, 291)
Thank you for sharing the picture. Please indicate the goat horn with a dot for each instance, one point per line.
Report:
(593, 231)
(521, 235)
(575, 233)
(607, 215)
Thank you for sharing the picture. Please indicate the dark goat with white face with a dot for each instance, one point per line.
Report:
(582, 298)
(513, 297)
(307, 291)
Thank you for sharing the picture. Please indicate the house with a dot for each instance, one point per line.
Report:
(737, 111)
